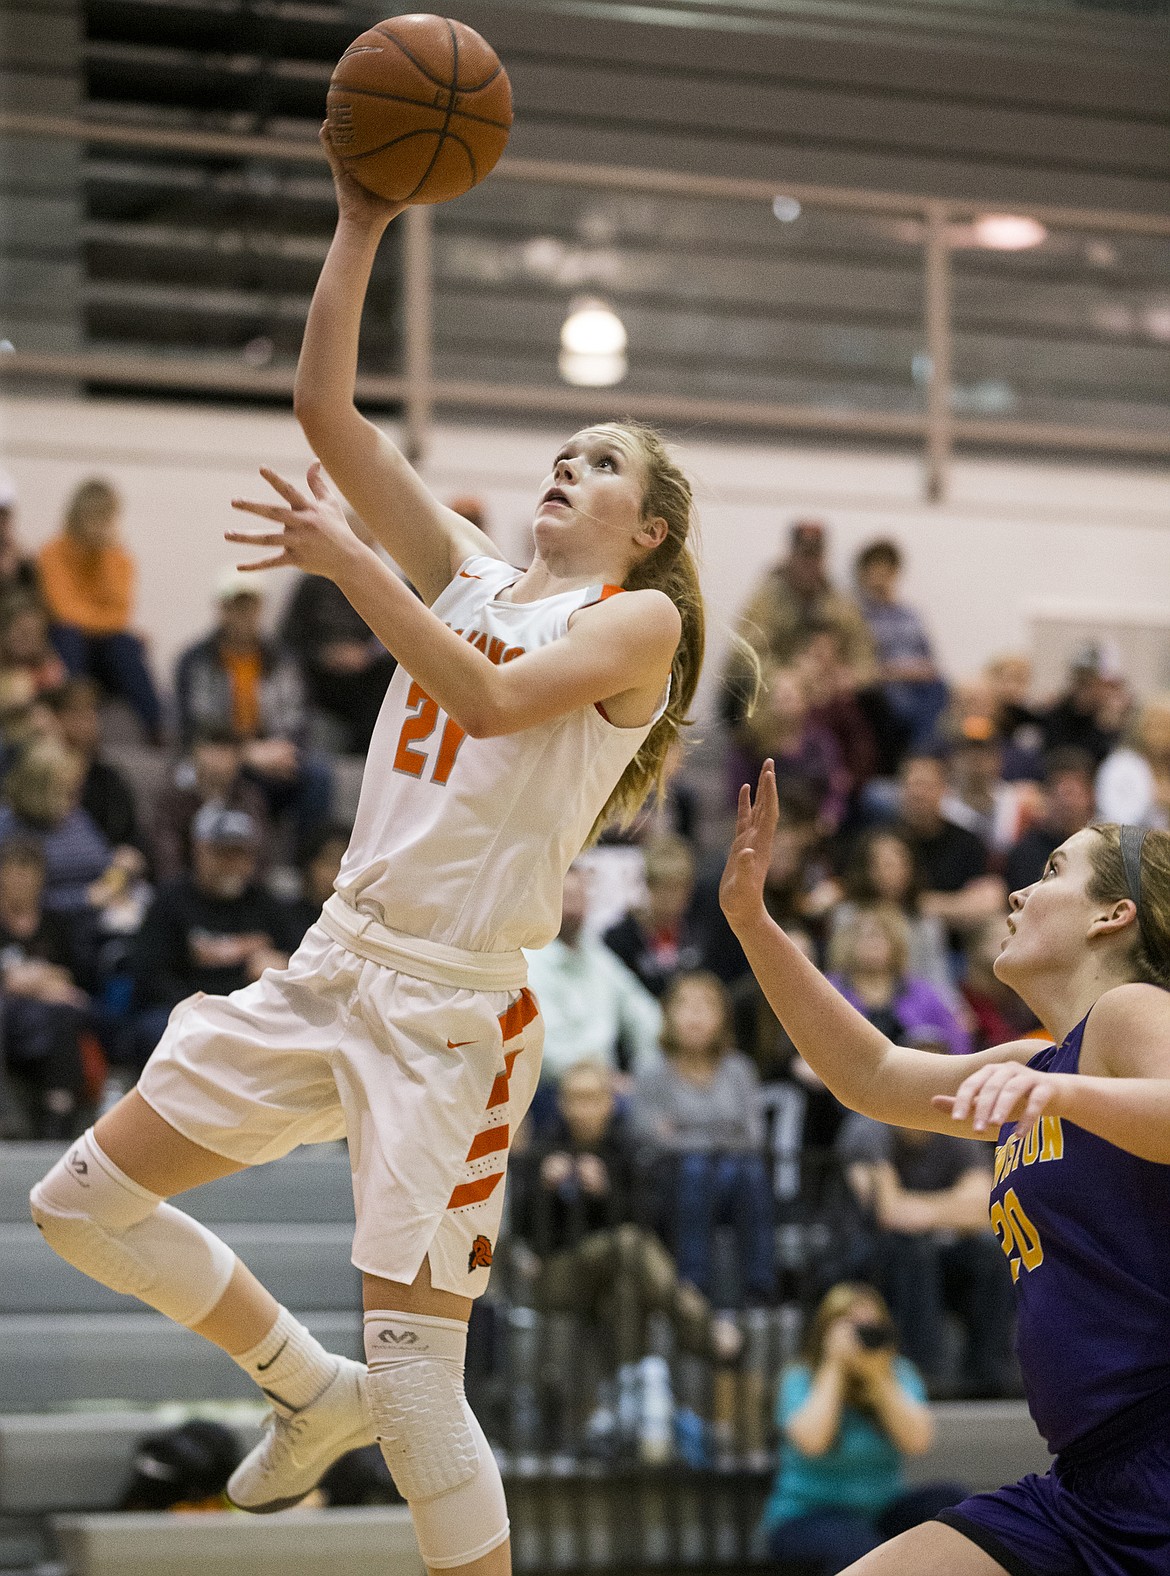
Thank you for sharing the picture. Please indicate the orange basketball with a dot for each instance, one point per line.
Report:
(419, 109)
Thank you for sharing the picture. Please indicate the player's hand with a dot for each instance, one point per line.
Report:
(1003, 1092)
(741, 891)
(314, 535)
(354, 202)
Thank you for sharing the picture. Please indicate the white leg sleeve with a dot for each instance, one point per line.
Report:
(116, 1232)
(433, 1445)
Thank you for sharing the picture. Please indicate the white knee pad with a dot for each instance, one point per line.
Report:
(116, 1232)
(435, 1449)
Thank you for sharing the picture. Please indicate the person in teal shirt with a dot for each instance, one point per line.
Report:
(848, 1414)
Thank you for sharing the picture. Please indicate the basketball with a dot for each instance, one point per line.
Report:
(419, 109)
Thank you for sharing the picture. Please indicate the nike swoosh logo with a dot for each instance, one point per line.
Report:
(463, 575)
(263, 1367)
(457, 1045)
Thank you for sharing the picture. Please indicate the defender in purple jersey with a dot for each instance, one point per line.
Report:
(1081, 1195)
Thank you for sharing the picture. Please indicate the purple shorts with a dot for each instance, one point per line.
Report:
(1107, 1515)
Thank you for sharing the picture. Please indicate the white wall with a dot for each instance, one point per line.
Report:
(1016, 538)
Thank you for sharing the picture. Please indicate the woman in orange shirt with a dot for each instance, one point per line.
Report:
(87, 581)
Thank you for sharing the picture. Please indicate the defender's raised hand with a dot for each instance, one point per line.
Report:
(315, 535)
(741, 891)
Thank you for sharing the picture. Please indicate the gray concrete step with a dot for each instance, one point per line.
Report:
(71, 1461)
(365, 1542)
(80, 1460)
(311, 1185)
(60, 1359)
(303, 1265)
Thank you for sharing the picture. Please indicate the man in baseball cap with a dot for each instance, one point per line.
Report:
(214, 928)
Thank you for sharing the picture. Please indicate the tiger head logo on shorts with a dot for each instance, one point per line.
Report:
(480, 1257)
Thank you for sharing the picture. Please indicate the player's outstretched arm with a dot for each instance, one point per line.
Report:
(428, 540)
(620, 647)
(865, 1070)
(1121, 1091)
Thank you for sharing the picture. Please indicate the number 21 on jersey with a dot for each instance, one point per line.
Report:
(417, 729)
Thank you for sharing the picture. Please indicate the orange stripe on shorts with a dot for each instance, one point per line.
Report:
(499, 1092)
(519, 1015)
(489, 1142)
(475, 1192)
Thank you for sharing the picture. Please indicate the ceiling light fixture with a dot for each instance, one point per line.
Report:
(1008, 232)
(593, 345)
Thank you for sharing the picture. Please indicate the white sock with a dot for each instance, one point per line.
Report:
(290, 1365)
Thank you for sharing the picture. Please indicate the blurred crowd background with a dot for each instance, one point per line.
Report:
(685, 1183)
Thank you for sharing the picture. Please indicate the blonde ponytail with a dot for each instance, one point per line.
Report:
(670, 568)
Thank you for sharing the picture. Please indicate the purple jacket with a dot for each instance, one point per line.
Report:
(918, 1007)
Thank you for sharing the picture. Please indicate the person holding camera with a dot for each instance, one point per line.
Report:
(848, 1414)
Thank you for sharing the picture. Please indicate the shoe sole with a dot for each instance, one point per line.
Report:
(354, 1442)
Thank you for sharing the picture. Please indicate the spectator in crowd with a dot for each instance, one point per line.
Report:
(344, 666)
(25, 644)
(24, 716)
(1081, 716)
(764, 1039)
(806, 753)
(907, 669)
(868, 962)
(881, 869)
(1068, 806)
(794, 597)
(87, 581)
(320, 865)
(106, 795)
(979, 798)
(699, 1107)
(835, 704)
(594, 1007)
(927, 1243)
(659, 938)
(581, 1247)
(211, 772)
(43, 804)
(1007, 683)
(1133, 785)
(18, 572)
(953, 865)
(849, 1413)
(44, 1012)
(239, 680)
(998, 1013)
(214, 930)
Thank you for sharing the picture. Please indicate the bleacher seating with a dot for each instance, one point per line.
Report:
(81, 1368)
(64, 1339)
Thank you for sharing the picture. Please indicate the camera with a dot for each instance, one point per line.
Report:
(876, 1334)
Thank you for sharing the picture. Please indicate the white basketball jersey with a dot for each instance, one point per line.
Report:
(466, 841)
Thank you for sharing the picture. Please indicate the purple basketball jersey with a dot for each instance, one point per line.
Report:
(1086, 1227)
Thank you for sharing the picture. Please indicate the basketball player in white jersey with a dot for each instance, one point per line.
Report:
(527, 706)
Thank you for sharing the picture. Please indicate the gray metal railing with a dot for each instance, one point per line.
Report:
(937, 425)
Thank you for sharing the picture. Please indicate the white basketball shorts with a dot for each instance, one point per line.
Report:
(427, 1082)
